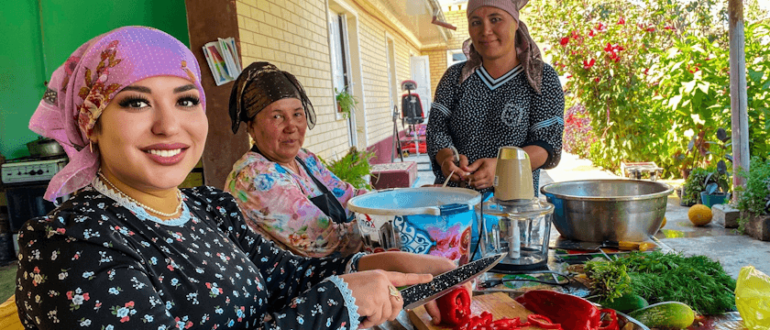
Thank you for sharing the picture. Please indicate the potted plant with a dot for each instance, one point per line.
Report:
(353, 168)
(716, 186)
(346, 102)
(693, 186)
(754, 200)
(713, 181)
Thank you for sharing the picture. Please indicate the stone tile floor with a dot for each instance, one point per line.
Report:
(727, 246)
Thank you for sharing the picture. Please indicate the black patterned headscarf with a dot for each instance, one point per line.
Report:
(261, 84)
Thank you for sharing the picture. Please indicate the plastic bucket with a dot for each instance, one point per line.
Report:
(429, 220)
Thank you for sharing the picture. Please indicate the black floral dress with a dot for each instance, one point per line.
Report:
(95, 264)
(483, 114)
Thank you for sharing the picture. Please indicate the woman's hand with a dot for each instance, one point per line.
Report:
(411, 263)
(374, 294)
(483, 173)
(448, 166)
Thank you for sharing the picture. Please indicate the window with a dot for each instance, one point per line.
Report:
(340, 75)
(454, 56)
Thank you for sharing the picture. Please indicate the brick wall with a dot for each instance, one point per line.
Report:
(293, 35)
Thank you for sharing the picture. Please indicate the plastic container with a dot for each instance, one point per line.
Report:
(430, 220)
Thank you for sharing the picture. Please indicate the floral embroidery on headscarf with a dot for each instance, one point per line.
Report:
(94, 94)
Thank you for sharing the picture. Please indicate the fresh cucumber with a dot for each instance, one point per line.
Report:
(667, 315)
(626, 303)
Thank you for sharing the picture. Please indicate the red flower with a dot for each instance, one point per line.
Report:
(588, 64)
(645, 71)
(650, 29)
(622, 21)
(564, 41)
(670, 28)
(597, 79)
(575, 35)
(591, 33)
(569, 76)
(600, 27)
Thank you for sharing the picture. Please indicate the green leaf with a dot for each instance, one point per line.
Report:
(704, 87)
(674, 101)
(689, 86)
(756, 76)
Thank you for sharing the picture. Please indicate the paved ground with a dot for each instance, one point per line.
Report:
(725, 245)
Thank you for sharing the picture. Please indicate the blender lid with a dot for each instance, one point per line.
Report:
(522, 207)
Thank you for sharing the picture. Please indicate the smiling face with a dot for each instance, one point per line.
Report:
(279, 130)
(152, 133)
(493, 33)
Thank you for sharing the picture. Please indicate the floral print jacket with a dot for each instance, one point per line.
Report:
(92, 264)
(276, 203)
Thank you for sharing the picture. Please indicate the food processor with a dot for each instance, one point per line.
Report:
(514, 221)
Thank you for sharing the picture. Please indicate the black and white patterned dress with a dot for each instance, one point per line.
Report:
(484, 114)
(95, 263)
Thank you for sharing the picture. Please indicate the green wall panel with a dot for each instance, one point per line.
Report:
(50, 30)
(21, 75)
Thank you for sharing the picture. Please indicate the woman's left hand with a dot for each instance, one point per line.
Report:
(483, 173)
(410, 263)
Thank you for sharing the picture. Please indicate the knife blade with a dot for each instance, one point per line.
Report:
(419, 294)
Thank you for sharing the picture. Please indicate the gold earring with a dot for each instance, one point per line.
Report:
(91, 146)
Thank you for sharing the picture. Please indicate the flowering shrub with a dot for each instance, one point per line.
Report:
(651, 75)
(578, 135)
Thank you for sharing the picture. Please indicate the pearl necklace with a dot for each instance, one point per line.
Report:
(130, 199)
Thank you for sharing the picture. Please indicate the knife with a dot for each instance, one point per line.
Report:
(419, 294)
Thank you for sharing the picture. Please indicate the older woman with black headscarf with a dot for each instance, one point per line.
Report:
(503, 95)
(285, 192)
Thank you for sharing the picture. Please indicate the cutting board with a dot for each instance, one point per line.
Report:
(499, 304)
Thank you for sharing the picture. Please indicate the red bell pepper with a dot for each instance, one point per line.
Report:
(543, 322)
(573, 313)
(455, 306)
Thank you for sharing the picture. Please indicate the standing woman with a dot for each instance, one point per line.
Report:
(130, 250)
(503, 95)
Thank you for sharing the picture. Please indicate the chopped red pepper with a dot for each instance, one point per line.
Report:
(612, 323)
(571, 312)
(543, 322)
(455, 306)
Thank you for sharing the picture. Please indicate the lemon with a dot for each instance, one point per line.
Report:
(699, 214)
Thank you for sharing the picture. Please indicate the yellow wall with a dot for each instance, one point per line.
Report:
(293, 34)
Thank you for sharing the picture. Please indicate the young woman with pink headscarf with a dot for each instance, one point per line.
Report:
(503, 95)
(130, 250)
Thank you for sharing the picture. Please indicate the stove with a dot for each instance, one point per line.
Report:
(31, 169)
(25, 181)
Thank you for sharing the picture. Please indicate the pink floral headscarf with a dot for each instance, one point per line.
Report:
(84, 85)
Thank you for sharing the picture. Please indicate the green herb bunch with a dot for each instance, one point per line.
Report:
(755, 196)
(696, 281)
(610, 279)
(353, 168)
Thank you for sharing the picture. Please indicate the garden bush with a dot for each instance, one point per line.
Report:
(653, 75)
(578, 135)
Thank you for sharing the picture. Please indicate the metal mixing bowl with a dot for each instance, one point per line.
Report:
(607, 210)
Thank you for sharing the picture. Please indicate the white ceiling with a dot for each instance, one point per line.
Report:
(416, 16)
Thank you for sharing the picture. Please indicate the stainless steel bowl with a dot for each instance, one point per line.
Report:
(607, 210)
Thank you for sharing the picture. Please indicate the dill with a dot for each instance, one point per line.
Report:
(696, 281)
